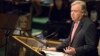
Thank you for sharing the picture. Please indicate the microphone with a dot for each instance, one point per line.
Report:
(41, 38)
(53, 33)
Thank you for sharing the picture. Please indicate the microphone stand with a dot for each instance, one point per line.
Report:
(37, 38)
(7, 34)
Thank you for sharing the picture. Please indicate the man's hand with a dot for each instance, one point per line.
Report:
(51, 49)
(70, 50)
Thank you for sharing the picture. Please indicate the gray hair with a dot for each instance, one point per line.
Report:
(83, 5)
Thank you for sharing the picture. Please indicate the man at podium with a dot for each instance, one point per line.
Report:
(83, 39)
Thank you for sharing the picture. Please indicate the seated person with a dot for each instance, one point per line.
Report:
(21, 29)
(58, 17)
(22, 26)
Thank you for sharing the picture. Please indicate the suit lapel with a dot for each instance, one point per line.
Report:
(78, 29)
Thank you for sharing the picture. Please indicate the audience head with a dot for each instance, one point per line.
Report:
(23, 22)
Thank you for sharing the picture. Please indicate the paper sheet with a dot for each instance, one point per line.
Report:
(53, 53)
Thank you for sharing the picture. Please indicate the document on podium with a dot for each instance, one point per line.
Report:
(54, 53)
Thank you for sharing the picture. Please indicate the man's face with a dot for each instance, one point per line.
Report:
(76, 12)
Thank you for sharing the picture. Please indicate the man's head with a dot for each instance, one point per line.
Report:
(78, 10)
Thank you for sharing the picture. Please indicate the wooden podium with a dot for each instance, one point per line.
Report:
(33, 44)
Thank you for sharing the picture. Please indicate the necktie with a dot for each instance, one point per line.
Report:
(73, 31)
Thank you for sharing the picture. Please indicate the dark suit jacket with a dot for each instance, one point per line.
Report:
(85, 39)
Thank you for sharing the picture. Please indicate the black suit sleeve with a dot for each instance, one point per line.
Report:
(63, 45)
(90, 40)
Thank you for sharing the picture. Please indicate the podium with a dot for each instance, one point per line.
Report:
(32, 44)
(28, 44)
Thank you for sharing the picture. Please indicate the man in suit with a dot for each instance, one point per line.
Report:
(83, 39)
